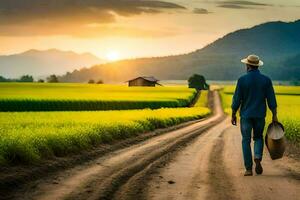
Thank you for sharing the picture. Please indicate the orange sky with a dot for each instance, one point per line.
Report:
(134, 28)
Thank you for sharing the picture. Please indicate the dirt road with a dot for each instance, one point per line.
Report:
(211, 168)
(200, 161)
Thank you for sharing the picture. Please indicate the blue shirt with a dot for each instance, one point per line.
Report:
(252, 92)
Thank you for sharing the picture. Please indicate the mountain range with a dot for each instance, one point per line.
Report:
(42, 63)
(277, 43)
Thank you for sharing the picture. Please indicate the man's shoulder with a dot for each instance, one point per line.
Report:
(266, 78)
(245, 76)
(242, 78)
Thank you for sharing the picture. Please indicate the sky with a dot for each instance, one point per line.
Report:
(118, 29)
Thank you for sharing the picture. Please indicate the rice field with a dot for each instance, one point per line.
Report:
(29, 137)
(280, 90)
(203, 99)
(80, 97)
(288, 100)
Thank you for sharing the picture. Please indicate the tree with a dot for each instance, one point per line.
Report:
(100, 82)
(198, 82)
(52, 79)
(41, 81)
(2, 79)
(91, 81)
(26, 78)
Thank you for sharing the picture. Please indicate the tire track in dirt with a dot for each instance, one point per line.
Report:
(187, 171)
(166, 185)
(221, 186)
(106, 188)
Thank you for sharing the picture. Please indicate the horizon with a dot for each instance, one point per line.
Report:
(170, 26)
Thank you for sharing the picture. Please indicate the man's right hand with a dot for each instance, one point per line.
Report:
(233, 120)
(274, 112)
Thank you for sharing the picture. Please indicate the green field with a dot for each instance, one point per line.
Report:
(79, 97)
(203, 99)
(28, 137)
(280, 90)
(288, 100)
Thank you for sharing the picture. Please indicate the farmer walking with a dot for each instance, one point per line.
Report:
(252, 92)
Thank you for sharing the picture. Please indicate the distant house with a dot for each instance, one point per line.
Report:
(143, 81)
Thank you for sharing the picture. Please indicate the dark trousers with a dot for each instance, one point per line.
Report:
(247, 126)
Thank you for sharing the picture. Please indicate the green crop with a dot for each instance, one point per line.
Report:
(79, 97)
(280, 90)
(202, 102)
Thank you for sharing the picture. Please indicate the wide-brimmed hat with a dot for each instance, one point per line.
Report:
(253, 60)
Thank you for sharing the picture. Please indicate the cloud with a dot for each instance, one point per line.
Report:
(233, 6)
(200, 11)
(247, 3)
(48, 17)
(242, 4)
(89, 31)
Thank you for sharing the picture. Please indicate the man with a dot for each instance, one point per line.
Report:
(251, 93)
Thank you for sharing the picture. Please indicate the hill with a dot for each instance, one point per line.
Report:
(275, 42)
(41, 63)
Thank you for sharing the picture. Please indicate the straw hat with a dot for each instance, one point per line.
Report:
(253, 60)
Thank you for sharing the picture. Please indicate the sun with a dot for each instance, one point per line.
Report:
(113, 56)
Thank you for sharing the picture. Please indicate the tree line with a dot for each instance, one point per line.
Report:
(50, 79)
(29, 79)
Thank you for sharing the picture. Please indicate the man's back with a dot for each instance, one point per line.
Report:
(252, 91)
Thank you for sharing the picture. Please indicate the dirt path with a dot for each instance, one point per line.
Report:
(200, 161)
(280, 180)
(211, 168)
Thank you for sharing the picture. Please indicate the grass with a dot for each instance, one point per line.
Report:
(288, 102)
(78, 97)
(33, 136)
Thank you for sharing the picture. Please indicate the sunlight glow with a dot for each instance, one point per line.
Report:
(113, 56)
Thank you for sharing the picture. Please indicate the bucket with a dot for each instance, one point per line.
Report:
(275, 140)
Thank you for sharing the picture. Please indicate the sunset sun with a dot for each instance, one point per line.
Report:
(113, 56)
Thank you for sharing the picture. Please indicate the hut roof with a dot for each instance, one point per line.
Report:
(148, 78)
